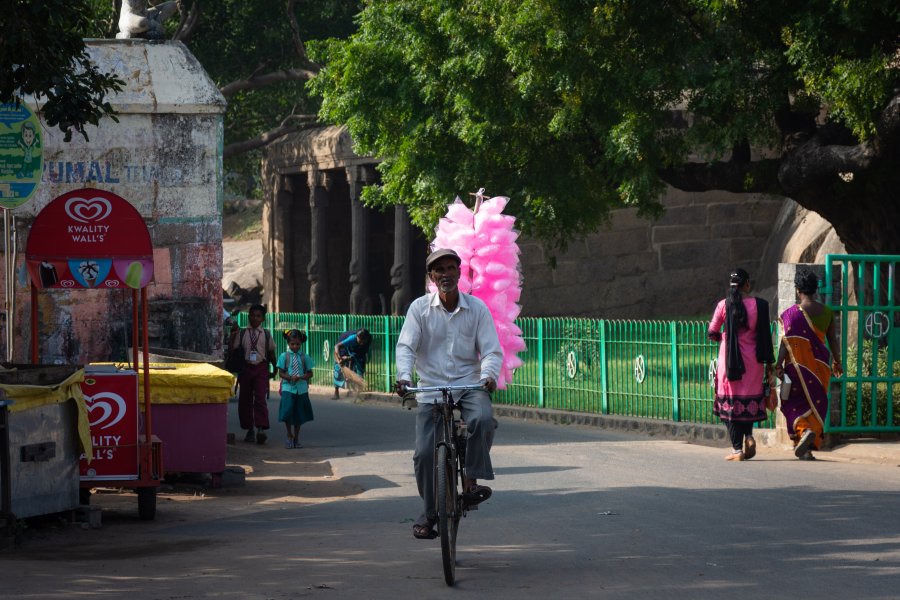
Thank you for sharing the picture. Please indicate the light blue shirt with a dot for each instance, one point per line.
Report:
(448, 348)
(303, 363)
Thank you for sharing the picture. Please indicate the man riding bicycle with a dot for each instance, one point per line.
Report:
(449, 338)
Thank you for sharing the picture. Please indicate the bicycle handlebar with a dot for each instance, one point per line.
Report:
(441, 388)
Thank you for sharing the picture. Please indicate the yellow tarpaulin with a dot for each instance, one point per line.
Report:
(33, 396)
(187, 383)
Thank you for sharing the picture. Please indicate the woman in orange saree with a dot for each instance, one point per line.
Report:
(807, 364)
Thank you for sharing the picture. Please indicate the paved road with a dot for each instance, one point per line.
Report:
(577, 513)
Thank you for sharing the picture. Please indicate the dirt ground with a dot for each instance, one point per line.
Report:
(300, 478)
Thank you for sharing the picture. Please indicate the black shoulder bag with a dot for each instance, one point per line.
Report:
(234, 363)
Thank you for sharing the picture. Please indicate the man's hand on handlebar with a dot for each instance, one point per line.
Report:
(400, 387)
(489, 385)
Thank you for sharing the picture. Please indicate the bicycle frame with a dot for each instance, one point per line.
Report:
(450, 435)
(449, 472)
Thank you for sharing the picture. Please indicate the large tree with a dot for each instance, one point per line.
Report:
(42, 54)
(255, 51)
(574, 107)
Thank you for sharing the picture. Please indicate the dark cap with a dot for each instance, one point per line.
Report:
(439, 254)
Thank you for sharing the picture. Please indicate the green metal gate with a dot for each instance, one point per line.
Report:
(862, 289)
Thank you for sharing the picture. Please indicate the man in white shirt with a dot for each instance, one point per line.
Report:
(449, 338)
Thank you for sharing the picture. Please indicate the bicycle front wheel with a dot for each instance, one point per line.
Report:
(448, 519)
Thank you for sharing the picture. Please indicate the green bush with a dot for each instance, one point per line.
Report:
(859, 393)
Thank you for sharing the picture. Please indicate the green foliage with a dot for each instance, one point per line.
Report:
(44, 56)
(566, 105)
(236, 38)
(862, 408)
(846, 54)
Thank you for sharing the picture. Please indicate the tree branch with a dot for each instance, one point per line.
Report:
(759, 176)
(255, 82)
(815, 161)
(266, 138)
(188, 21)
(888, 124)
(299, 46)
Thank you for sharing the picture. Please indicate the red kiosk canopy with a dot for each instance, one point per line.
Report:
(89, 239)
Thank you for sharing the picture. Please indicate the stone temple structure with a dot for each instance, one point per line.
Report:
(164, 156)
(324, 252)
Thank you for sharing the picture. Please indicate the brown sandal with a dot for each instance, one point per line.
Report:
(424, 532)
(749, 448)
(476, 494)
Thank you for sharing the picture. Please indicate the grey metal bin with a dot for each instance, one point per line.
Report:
(42, 450)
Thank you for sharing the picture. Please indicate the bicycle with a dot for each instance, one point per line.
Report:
(449, 470)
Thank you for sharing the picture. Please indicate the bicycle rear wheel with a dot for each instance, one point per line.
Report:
(448, 517)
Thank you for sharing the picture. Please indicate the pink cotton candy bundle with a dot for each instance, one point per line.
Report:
(486, 243)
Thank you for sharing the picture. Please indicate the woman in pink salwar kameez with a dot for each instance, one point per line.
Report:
(744, 364)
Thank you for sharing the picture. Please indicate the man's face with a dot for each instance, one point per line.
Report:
(27, 136)
(256, 318)
(445, 274)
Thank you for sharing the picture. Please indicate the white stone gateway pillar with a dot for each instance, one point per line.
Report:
(164, 156)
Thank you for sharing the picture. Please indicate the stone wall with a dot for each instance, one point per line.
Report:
(674, 267)
(165, 157)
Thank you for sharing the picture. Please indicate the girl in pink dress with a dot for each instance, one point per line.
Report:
(744, 364)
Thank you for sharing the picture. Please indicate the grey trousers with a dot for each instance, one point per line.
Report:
(478, 415)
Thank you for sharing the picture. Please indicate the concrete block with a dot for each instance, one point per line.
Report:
(174, 232)
(618, 243)
(627, 218)
(681, 255)
(744, 250)
(683, 215)
(693, 291)
(234, 476)
(736, 230)
(663, 234)
(637, 263)
(92, 516)
(676, 197)
(762, 229)
(747, 211)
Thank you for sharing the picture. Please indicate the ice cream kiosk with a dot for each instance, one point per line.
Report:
(94, 239)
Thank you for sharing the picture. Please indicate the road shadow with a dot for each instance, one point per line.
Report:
(622, 543)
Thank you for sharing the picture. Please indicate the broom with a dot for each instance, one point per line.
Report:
(354, 381)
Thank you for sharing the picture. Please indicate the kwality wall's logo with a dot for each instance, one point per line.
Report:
(105, 409)
(88, 211)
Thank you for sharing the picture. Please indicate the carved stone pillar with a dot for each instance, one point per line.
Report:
(319, 295)
(269, 179)
(401, 279)
(281, 298)
(360, 294)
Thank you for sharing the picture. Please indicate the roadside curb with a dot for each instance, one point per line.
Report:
(859, 450)
(712, 435)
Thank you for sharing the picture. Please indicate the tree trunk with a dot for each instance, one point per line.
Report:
(864, 212)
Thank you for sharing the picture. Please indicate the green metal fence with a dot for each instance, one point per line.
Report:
(863, 291)
(650, 369)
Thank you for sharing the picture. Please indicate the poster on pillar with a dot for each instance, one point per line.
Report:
(21, 154)
(89, 239)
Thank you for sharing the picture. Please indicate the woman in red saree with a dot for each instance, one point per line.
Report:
(805, 361)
